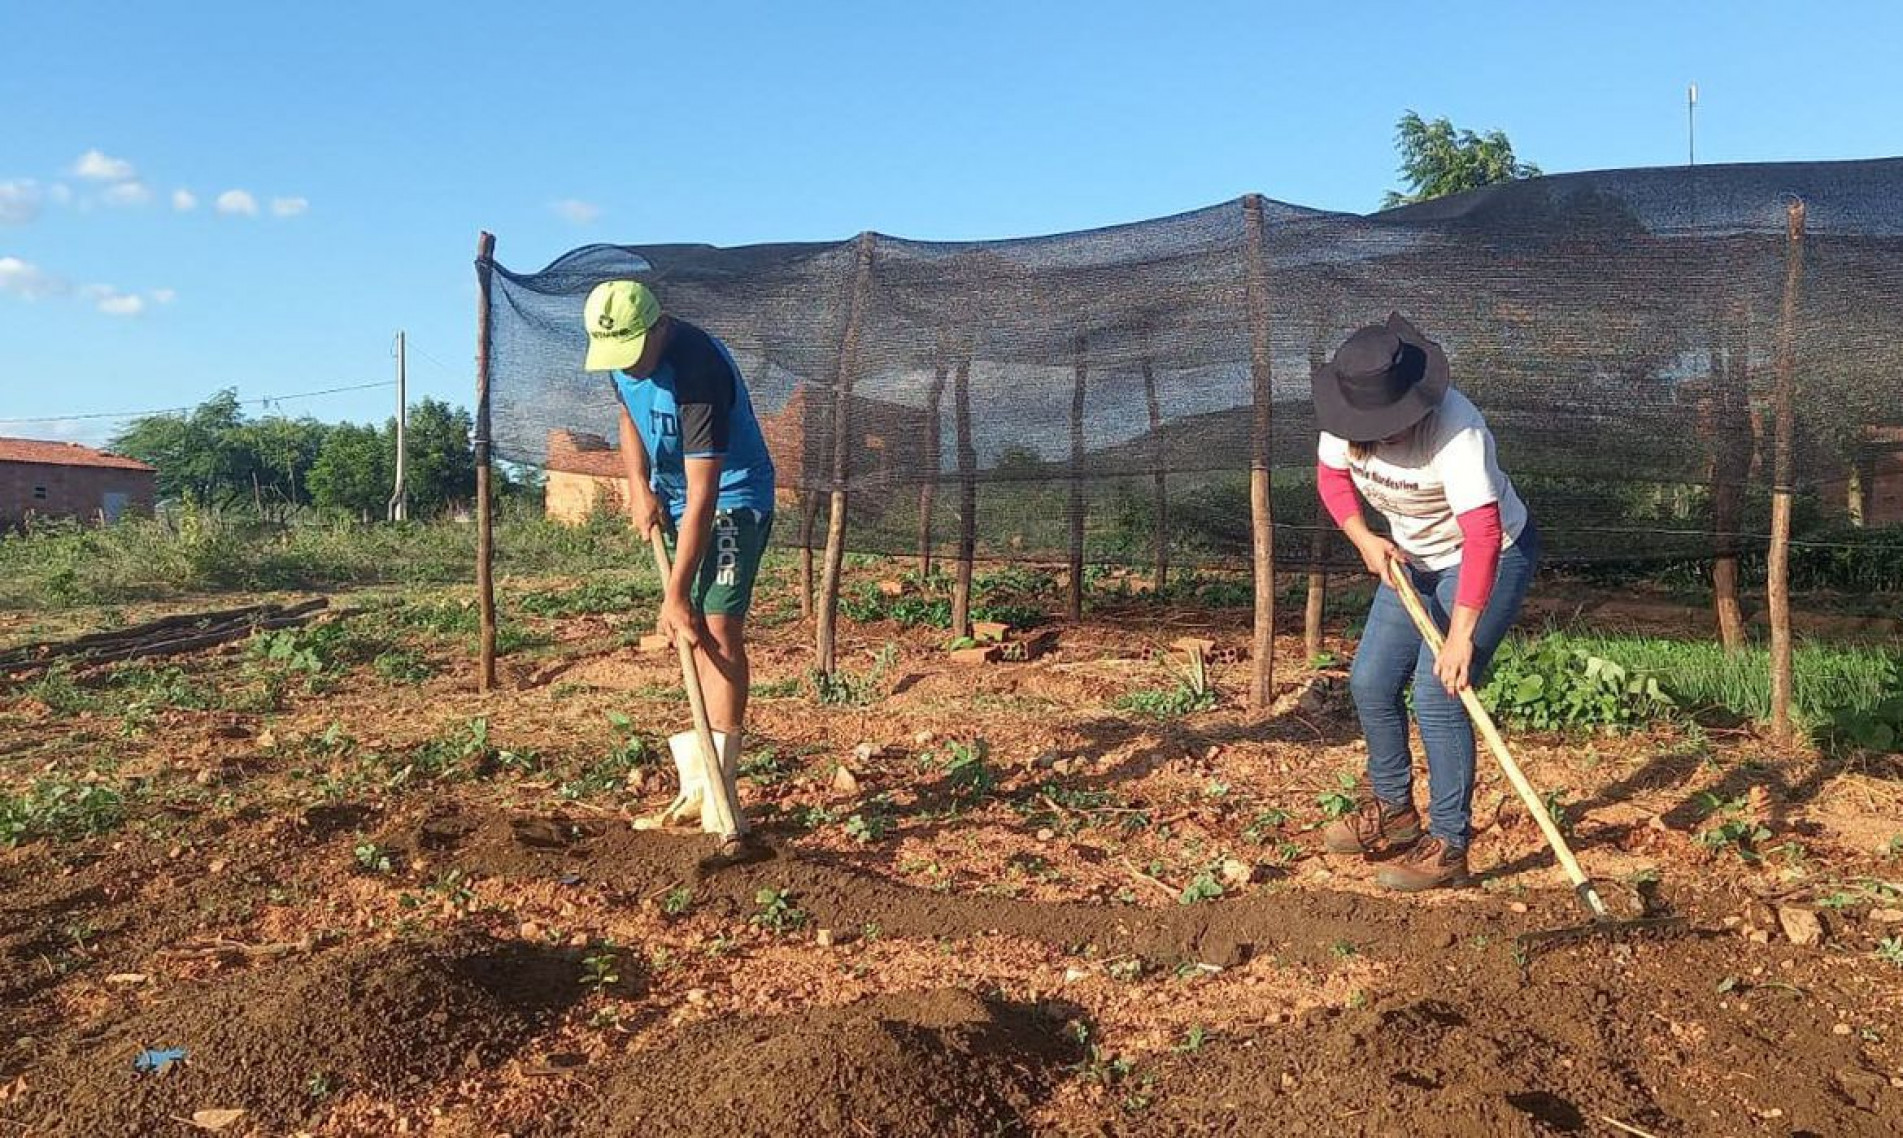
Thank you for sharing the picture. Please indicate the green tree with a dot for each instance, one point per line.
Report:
(283, 451)
(203, 456)
(442, 459)
(354, 469)
(1437, 160)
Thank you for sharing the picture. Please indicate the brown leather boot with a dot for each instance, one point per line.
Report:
(1431, 864)
(1375, 829)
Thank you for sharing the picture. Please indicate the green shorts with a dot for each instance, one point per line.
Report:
(724, 585)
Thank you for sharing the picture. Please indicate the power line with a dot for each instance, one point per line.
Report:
(262, 401)
(425, 353)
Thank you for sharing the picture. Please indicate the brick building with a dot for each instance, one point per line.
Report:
(66, 480)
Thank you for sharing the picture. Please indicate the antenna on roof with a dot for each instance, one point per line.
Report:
(1691, 125)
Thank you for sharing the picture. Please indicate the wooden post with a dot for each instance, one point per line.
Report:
(1075, 510)
(809, 515)
(967, 499)
(1161, 494)
(1731, 466)
(1778, 572)
(485, 512)
(842, 456)
(928, 489)
(1261, 519)
(1317, 548)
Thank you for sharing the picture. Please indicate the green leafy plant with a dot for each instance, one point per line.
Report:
(60, 809)
(1339, 802)
(815, 817)
(372, 858)
(1553, 684)
(968, 774)
(1193, 1040)
(403, 665)
(871, 823)
(764, 768)
(1264, 825)
(601, 968)
(678, 901)
(1890, 950)
(844, 688)
(1730, 828)
(1167, 703)
(1205, 886)
(1555, 803)
(777, 911)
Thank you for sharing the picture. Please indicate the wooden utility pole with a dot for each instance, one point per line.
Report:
(399, 494)
(485, 511)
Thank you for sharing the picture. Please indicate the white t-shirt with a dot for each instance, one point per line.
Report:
(1445, 467)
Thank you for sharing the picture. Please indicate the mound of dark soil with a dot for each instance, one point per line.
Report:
(280, 1041)
(1297, 926)
(1639, 1034)
(940, 1063)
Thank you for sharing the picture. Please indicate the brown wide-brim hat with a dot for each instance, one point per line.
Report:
(1384, 379)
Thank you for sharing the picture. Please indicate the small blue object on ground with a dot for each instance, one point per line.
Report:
(154, 1060)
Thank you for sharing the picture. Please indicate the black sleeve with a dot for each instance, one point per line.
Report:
(704, 388)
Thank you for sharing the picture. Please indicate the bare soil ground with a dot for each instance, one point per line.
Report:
(367, 901)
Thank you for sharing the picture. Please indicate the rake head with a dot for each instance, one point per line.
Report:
(1603, 925)
(1533, 943)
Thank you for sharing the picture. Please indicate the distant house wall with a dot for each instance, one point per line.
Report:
(1879, 470)
(573, 498)
(584, 472)
(63, 491)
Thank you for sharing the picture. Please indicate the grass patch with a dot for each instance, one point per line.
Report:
(1842, 694)
(60, 810)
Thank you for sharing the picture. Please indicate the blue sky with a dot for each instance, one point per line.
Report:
(340, 158)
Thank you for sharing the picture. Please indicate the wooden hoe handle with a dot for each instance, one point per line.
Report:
(724, 811)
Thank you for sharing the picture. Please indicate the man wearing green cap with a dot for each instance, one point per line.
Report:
(692, 448)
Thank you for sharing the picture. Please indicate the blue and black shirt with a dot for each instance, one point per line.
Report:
(695, 405)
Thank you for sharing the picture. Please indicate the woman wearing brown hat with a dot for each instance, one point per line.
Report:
(1394, 429)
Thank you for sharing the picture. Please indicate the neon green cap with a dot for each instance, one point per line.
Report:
(618, 316)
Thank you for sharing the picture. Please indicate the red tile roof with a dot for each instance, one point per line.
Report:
(44, 452)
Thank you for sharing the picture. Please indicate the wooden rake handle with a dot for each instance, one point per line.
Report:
(1403, 586)
(725, 812)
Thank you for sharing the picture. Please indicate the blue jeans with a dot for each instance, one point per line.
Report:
(1392, 654)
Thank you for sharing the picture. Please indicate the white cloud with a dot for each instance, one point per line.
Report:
(128, 193)
(289, 207)
(90, 432)
(237, 202)
(96, 166)
(163, 295)
(27, 280)
(575, 211)
(184, 201)
(19, 202)
(111, 301)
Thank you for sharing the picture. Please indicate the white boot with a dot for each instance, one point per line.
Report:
(727, 746)
(685, 810)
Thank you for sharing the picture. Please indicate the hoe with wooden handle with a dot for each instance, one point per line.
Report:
(1603, 923)
(720, 813)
